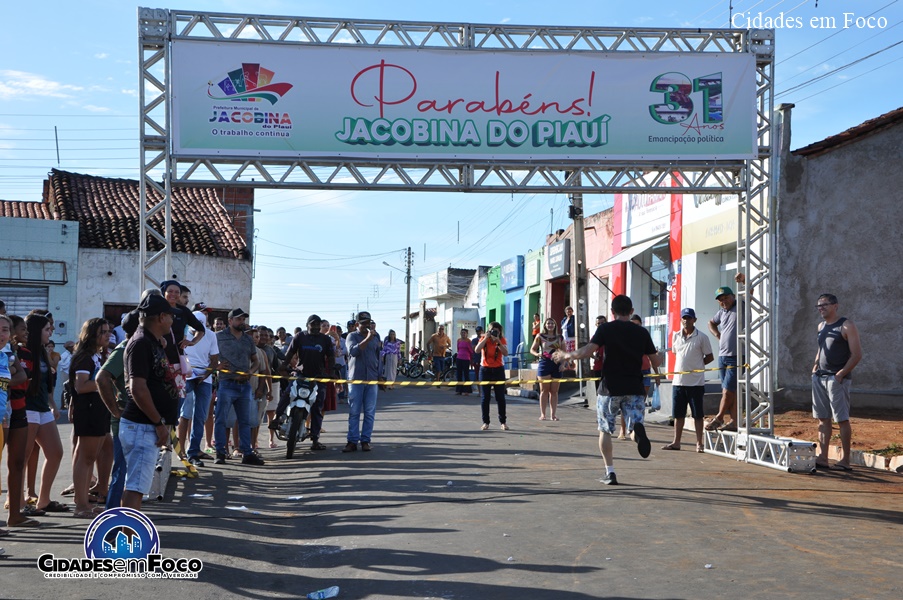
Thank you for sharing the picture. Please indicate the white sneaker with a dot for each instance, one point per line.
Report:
(504, 427)
(485, 426)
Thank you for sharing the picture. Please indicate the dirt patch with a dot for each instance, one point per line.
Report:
(873, 430)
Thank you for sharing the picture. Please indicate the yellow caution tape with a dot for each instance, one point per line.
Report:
(511, 382)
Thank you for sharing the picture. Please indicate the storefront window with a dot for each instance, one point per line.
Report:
(662, 274)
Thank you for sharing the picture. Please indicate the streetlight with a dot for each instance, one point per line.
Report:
(407, 315)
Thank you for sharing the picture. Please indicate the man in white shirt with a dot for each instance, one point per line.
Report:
(204, 359)
(692, 352)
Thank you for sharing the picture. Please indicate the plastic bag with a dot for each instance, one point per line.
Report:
(656, 399)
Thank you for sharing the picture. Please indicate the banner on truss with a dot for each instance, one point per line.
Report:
(252, 99)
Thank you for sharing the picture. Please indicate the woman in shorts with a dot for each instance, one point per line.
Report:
(544, 344)
(13, 380)
(90, 417)
(41, 410)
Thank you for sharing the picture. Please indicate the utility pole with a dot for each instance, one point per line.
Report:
(578, 272)
(408, 263)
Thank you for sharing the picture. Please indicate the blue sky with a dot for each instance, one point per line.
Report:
(73, 66)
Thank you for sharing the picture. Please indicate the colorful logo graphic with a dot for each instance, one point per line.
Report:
(121, 533)
(250, 83)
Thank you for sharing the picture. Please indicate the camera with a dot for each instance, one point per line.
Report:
(495, 333)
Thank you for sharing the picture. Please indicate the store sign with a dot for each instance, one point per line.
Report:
(512, 273)
(558, 258)
(645, 216)
(709, 221)
(253, 99)
(532, 272)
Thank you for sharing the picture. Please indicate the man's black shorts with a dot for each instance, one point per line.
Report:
(687, 395)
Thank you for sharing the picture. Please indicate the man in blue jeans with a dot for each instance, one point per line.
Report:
(204, 358)
(153, 399)
(724, 327)
(237, 358)
(363, 364)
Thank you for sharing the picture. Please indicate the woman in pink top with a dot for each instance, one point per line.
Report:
(462, 365)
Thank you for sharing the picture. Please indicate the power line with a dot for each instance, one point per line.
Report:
(821, 62)
(838, 32)
(837, 70)
(850, 79)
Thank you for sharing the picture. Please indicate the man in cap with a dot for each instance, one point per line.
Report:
(724, 327)
(237, 358)
(363, 364)
(152, 406)
(316, 359)
(204, 359)
(692, 352)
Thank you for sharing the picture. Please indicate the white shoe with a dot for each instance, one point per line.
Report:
(485, 426)
(504, 427)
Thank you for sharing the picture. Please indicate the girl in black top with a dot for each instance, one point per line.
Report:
(90, 417)
(42, 412)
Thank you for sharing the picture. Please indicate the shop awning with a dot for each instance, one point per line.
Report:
(629, 252)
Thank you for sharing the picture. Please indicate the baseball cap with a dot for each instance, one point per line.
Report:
(168, 283)
(156, 305)
(200, 316)
(237, 312)
(363, 316)
(688, 312)
(350, 324)
(200, 306)
(722, 291)
(314, 319)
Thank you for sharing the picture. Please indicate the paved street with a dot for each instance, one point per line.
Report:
(440, 509)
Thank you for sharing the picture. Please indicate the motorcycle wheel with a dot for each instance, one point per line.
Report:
(298, 416)
(415, 371)
(450, 375)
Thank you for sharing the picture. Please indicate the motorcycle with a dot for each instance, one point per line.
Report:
(303, 395)
(412, 368)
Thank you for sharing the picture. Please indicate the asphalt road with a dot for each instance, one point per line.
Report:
(440, 509)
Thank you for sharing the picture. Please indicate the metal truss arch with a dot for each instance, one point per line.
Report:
(752, 180)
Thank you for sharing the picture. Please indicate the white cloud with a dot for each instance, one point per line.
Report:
(94, 108)
(133, 93)
(19, 84)
(101, 55)
(506, 20)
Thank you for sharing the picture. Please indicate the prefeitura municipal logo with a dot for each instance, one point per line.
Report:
(120, 543)
(250, 83)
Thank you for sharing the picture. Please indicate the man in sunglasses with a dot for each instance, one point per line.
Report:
(839, 351)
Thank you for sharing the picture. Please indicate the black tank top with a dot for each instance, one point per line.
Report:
(833, 350)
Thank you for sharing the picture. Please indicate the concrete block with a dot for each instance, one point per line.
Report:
(874, 461)
(896, 464)
(522, 393)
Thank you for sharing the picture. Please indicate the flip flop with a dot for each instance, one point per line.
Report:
(54, 506)
(822, 466)
(840, 467)
(670, 447)
(555, 418)
(25, 523)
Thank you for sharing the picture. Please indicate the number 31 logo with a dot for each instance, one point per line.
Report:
(678, 91)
